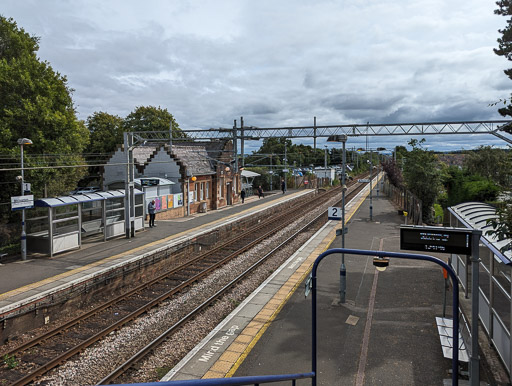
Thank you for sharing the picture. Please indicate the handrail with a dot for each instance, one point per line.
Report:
(235, 381)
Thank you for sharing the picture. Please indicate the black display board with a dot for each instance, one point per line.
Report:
(435, 239)
(149, 181)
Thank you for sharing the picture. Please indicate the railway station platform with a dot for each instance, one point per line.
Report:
(25, 285)
(385, 332)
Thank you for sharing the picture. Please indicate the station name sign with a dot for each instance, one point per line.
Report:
(436, 239)
(22, 202)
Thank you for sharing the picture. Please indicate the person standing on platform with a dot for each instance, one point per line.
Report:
(151, 211)
(260, 192)
(242, 195)
(283, 186)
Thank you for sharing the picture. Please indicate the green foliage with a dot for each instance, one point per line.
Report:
(462, 186)
(297, 155)
(490, 163)
(422, 176)
(502, 225)
(505, 48)
(150, 118)
(438, 214)
(393, 172)
(36, 103)
(162, 371)
(10, 361)
(106, 132)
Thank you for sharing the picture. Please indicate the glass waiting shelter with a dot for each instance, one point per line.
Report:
(495, 276)
(62, 223)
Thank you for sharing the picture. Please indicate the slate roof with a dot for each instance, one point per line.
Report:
(194, 158)
(198, 157)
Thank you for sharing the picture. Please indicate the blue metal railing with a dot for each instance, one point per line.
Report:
(257, 380)
(238, 381)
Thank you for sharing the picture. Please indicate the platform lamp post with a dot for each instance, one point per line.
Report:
(343, 270)
(193, 178)
(21, 142)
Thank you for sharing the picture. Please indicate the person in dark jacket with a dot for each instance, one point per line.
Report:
(283, 186)
(151, 211)
(260, 192)
(242, 195)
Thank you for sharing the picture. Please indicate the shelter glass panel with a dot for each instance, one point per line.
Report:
(65, 226)
(501, 304)
(65, 211)
(115, 210)
(139, 205)
(484, 281)
(92, 218)
(502, 275)
(485, 255)
(38, 220)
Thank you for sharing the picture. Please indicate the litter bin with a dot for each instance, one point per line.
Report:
(202, 207)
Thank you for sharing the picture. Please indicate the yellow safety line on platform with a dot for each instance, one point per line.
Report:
(40, 283)
(213, 372)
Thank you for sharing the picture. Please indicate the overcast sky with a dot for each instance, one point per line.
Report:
(278, 63)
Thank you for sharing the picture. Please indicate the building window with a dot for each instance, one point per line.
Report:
(221, 188)
(202, 191)
(207, 189)
(196, 192)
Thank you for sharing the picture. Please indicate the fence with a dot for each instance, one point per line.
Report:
(405, 200)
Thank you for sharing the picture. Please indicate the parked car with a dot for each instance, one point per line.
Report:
(90, 189)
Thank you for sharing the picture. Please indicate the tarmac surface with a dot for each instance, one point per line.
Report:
(385, 332)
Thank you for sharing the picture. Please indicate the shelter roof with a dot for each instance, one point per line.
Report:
(52, 202)
(248, 173)
(474, 215)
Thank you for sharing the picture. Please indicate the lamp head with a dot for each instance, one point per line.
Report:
(381, 263)
(24, 141)
(194, 178)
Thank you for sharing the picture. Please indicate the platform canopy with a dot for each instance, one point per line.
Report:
(248, 173)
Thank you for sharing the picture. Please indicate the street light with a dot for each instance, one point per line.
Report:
(343, 271)
(21, 142)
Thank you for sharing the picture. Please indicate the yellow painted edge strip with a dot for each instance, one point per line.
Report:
(262, 330)
(43, 282)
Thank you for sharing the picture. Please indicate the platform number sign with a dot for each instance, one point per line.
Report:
(334, 213)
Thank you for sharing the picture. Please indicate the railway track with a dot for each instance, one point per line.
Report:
(36, 357)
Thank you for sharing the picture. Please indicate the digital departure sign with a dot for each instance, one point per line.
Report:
(149, 181)
(435, 239)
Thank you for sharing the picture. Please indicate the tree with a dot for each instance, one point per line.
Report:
(505, 49)
(502, 226)
(422, 176)
(106, 132)
(150, 118)
(36, 103)
(490, 163)
(393, 172)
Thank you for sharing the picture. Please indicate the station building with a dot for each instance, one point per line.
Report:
(183, 179)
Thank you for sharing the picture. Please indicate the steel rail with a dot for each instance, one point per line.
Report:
(141, 354)
(91, 340)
